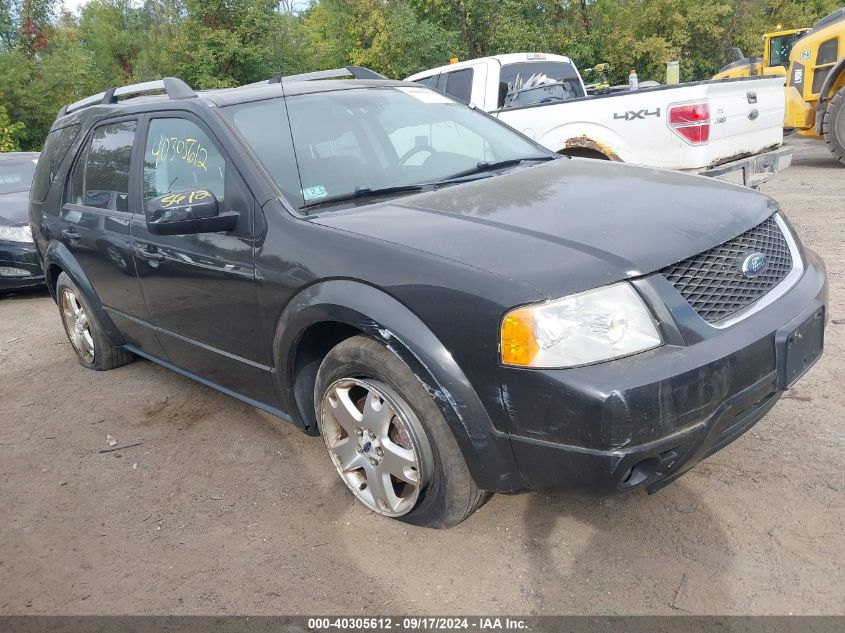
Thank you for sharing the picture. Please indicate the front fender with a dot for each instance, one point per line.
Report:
(57, 255)
(382, 317)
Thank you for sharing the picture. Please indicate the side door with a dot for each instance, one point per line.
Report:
(94, 225)
(200, 288)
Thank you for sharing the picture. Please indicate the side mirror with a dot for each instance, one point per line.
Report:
(188, 212)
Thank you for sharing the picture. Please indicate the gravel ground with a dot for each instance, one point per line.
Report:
(225, 510)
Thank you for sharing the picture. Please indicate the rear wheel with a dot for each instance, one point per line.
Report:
(388, 440)
(833, 127)
(86, 334)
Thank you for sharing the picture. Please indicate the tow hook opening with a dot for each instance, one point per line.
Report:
(639, 473)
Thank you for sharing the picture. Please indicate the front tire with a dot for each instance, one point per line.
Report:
(833, 126)
(86, 334)
(388, 439)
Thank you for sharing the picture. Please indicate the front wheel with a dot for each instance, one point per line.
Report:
(388, 440)
(833, 127)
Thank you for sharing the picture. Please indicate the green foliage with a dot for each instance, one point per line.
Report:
(48, 60)
(9, 132)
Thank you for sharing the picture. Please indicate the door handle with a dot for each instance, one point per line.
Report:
(70, 234)
(146, 252)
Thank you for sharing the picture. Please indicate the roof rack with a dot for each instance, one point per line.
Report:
(173, 87)
(356, 72)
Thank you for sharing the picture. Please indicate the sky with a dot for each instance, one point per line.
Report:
(73, 5)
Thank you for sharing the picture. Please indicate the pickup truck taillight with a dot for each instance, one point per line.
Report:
(691, 121)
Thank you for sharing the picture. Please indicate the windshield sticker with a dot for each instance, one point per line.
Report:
(425, 95)
(314, 193)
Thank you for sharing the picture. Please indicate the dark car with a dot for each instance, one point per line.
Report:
(19, 265)
(454, 309)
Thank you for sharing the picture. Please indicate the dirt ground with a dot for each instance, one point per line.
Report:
(225, 510)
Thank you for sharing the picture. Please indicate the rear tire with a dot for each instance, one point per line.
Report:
(86, 334)
(833, 126)
(362, 372)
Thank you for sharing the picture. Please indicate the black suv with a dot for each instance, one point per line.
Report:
(454, 309)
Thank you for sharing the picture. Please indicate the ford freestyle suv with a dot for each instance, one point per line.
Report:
(19, 266)
(454, 309)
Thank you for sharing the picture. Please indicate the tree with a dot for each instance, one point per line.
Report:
(9, 132)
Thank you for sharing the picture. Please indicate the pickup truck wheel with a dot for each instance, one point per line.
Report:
(86, 334)
(388, 440)
(833, 126)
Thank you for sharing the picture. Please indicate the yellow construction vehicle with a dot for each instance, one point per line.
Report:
(815, 84)
(776, 48)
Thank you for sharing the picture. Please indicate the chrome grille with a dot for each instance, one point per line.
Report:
(713, 283)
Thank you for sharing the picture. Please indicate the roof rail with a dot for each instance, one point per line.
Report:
(173, 87)
(357, 72)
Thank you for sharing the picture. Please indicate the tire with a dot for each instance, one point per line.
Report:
(86, 334)
(357, 371)
(833, 126)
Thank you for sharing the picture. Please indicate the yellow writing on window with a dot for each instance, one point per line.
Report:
(188, 197)
(189, 150)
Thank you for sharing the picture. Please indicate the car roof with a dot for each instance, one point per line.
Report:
(220, 97)
(258, 92)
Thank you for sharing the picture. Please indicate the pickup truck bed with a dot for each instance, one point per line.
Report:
(729, 129)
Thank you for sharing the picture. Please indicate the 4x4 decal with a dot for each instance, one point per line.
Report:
(630, 115)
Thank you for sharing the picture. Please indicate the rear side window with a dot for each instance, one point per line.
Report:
(100, 177)
(54, 151)
(430, 82)
(459, 84)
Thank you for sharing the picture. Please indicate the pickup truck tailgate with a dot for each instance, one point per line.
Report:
(746, 117)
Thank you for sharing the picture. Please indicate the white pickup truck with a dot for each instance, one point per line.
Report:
(729, 129)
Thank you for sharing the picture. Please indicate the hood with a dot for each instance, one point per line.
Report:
(14, 208)
(568, 225)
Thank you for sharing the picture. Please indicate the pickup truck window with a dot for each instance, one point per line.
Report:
(371, 138)
(429, 82)
(513, 76)
(458, 84)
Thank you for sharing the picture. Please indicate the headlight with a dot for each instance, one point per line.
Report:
(580, 329)
(16, 233)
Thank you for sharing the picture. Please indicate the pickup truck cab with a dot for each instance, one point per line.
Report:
(731, 130)
(445, 302)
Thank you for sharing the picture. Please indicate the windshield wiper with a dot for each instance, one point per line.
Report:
(367, 192)
(484, 167)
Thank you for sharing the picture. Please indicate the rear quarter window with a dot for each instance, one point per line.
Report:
(459, 84)
(55, 148)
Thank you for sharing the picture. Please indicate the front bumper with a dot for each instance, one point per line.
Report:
(19, 266)
(752, 171)
(644, 420)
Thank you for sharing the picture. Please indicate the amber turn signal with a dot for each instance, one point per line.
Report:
(519, 346)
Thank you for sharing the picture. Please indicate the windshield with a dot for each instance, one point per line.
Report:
(16, 174)
(780, 47)
(347, 141)
(513, 78)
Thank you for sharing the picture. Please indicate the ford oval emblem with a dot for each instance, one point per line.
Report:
(754, 264)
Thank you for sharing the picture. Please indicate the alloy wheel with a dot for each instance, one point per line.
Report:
(373, 439)
(77, 325)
